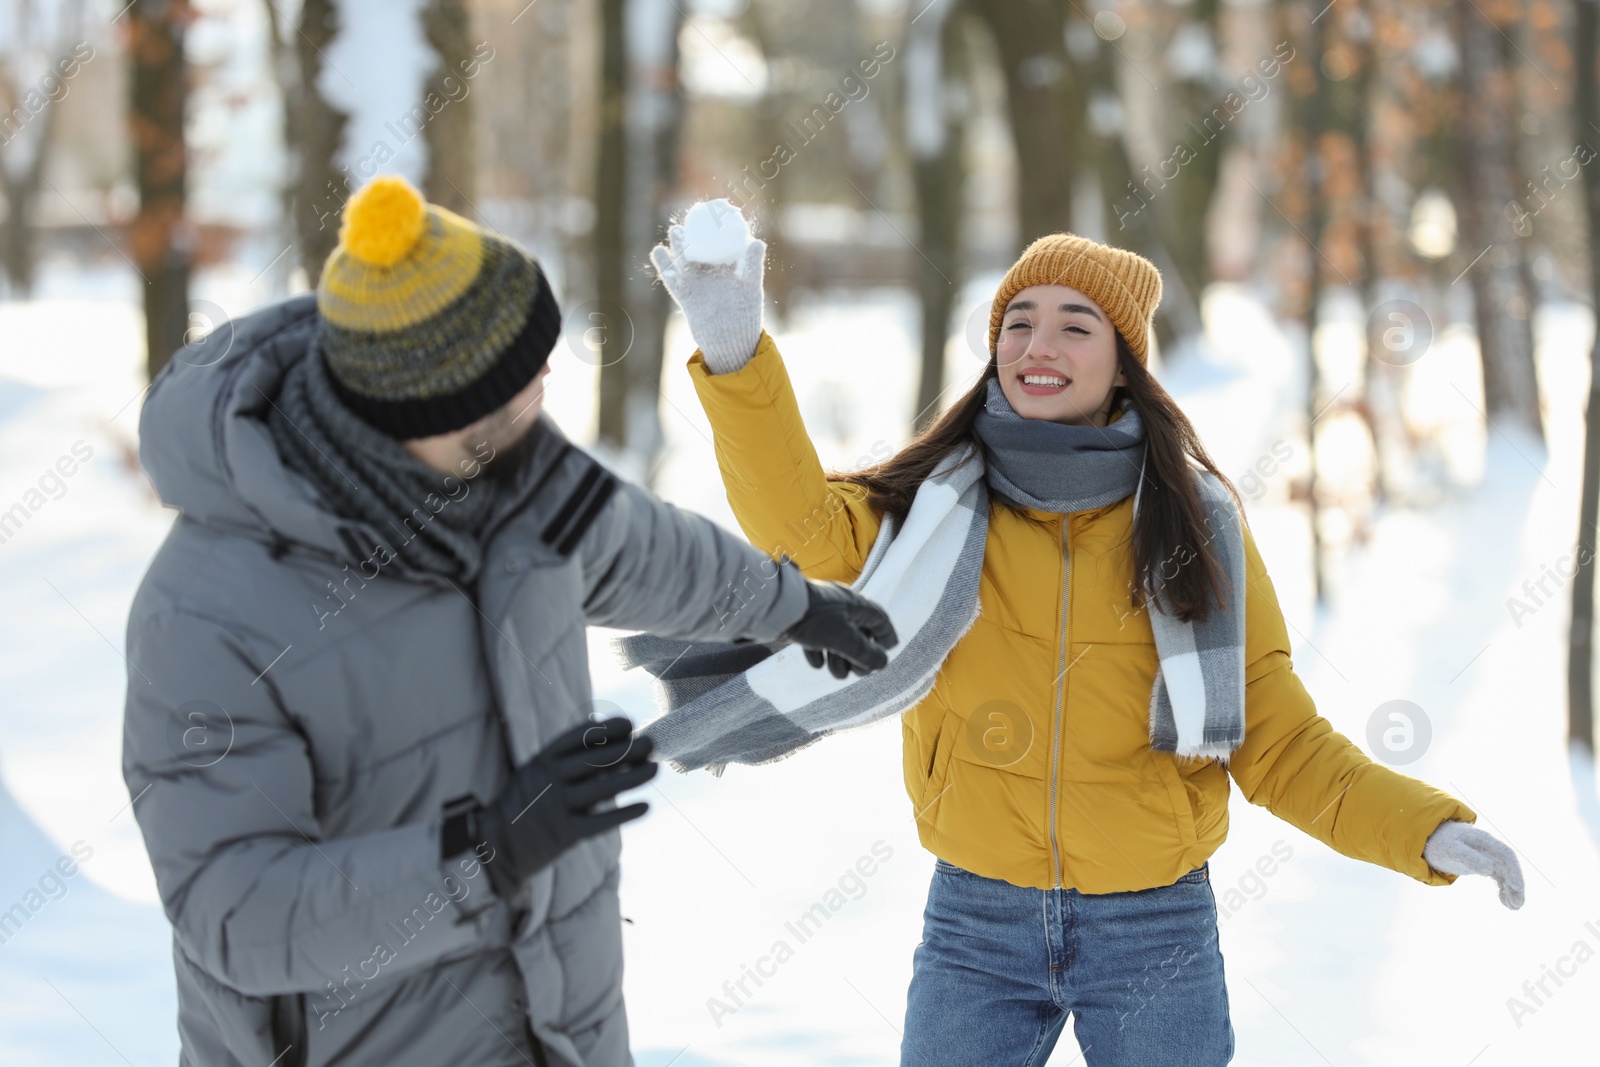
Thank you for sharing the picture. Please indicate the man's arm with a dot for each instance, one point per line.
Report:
(648, 565)
(256, 893)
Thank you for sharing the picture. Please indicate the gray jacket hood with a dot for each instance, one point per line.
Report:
(223, 469)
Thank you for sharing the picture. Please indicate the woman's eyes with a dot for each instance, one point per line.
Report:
(1023, 324)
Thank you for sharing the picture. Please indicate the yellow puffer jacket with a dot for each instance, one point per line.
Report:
(1030, 761)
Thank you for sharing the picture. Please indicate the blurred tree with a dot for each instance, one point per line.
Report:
(1131, 220)
(1378, 405)
(313, 132)
(635, 181)
(612, 333)
(1487, 168)
(1045, 107)
(1044, 114)
(535, 122)
(1580, 633)
(935, 66)
(770, 26)
(1199, 105)
(452, 175)
(160, 236)
(37, 58)
(1347, 222)
(833, 137)
(1316, 173)
(286, 76)
(1413, 114)
(325, 108)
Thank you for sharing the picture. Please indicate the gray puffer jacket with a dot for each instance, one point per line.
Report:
(297, 714)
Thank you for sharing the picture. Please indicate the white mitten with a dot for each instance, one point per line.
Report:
(1461, 848)
(712, 267)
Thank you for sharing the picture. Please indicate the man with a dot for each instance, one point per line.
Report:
(357, 730)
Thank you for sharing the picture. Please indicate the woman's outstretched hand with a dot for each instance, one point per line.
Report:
(711, 265)
(1460, 848)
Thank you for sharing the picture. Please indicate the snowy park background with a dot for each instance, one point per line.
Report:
(1330, 962)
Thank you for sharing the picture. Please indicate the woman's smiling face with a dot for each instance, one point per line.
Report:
(1057, 356)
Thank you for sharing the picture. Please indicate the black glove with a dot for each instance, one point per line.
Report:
(546, 807)
(844, 628)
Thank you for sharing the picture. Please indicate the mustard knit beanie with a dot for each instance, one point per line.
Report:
(427, 321)
(1125, 285)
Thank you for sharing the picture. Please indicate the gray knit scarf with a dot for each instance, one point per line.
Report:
(365, 474)
(753, 703)
(1053, 466)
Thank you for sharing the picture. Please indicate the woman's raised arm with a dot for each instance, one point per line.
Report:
(780, 495)
(775, 482)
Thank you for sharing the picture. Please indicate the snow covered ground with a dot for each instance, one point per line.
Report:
(1329, 961)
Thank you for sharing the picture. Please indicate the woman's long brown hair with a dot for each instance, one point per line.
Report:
(1171, 530)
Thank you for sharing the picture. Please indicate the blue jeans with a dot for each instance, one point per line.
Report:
(1001, 966)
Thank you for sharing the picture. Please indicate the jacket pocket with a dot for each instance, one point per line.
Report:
(934, 757)
(1177, 795)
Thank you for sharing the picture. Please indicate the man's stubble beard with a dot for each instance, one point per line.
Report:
(509, 459)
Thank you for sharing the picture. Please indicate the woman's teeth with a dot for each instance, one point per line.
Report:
(1043, 379)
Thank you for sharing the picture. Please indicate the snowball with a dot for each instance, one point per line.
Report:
(715, 232)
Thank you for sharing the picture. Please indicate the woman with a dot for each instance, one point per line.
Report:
(1047, 765)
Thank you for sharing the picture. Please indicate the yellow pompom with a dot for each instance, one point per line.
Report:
(383, 220)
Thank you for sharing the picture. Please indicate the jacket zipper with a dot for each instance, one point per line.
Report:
(1061, 685)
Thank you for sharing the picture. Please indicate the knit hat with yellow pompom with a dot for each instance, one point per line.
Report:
(1125, 284)
(428, 321)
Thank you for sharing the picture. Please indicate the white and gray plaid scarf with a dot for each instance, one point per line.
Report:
(755, 703)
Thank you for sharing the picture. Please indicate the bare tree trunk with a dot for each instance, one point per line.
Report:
(1185, 202)
(160, 235)
(1377, 408)
(935, 58)
(655, 124)
(610, 252)
(327, 114)
(529, 103)
(20, 189)
(1130, 220)
(316, 130)
(452, 150)
(286, 76)
(1316, 175)
(1044, 106)
(1580, 638)
(25, 152)
(795, 116)
(641, 105)
(771, 109)
(1486, 164)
